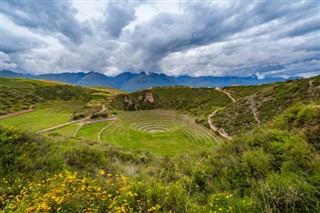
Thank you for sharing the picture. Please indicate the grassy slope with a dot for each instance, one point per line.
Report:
(67, 131)
(110, 90)
(239, 92)
(19, 94)
(269, 101)
(47, 116)
(91, 131)
(197, 102)
(37, 120)
(173, 98)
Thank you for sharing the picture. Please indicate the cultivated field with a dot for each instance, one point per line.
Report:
(158, 131)
(163, 132)
(47, 116)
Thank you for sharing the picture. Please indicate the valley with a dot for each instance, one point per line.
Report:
(237, 148)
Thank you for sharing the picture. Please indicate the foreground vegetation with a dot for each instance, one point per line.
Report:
(274, 169)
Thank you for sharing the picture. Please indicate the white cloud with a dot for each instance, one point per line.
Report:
(5, 62)
(211, 38)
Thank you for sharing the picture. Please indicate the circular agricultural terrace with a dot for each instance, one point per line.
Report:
(164, 132)
(158, 131)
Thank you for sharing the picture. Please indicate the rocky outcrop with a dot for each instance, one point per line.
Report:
(144, 100)
(149, 97)
(128, 100)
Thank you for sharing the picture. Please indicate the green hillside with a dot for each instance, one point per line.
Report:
(198, 102)
(266, 102)
(20, 94)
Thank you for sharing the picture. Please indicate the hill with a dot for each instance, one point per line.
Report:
(260, 105)
(197, 102)
(11, 74)
(132, 82)
(23, 94)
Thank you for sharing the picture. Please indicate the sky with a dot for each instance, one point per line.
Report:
(197, 38)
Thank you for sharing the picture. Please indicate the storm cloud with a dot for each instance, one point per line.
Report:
(263, 38)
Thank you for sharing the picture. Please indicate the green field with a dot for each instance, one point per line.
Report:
(67, 130)
(91, 131)
(158, 131)
(164, 132)
(47, 116)
(37, 120)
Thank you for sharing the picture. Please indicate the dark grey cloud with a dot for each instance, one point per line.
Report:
(116, 17)
(266, 38)
(12, 43)
(46, 17)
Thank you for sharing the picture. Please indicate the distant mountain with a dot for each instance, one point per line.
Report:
(96, 79)
(11, 74)
(132, 82)
(71, 78)
(209, 81)
(124, 77)
(143, 81)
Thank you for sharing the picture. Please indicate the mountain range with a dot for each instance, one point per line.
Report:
(130, 82)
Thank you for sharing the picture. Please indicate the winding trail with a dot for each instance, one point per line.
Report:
(102, 110)
(77, 121)
(254, 111)
(225, 92)
(210, 119)
(214, 128)
(16, 113)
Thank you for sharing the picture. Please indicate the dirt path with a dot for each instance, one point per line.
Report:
(254, 111)
(102, 110)
(225, 92)
(16, 113)
(63, 125)
(77, 121)
(214, 128)
(82, 122)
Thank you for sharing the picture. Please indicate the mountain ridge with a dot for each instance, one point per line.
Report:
(131, 82)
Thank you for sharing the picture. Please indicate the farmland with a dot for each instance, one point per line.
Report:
(46, 116)
(159, 131)
(164, 132)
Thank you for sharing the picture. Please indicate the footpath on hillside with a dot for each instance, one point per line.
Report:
(83, 121)
(16, 113)
(210, 117)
